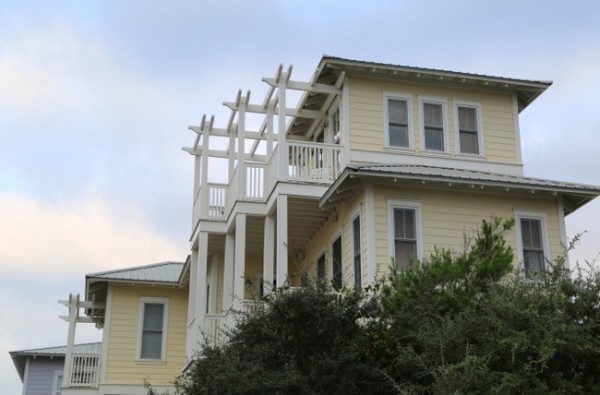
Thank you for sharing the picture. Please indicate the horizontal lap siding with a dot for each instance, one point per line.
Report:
(448, 216)
(121, 366)
(367, 117)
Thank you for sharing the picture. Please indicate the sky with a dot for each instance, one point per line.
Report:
(96, 98)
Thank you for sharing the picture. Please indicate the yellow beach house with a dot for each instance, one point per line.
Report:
(376, 162)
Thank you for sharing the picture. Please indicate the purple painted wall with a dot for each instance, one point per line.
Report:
(40, 377)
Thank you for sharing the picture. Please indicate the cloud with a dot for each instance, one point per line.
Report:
(83, 233)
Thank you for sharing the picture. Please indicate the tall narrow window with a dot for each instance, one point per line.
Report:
(321, 268)
(336, 260)
(153, 327)
(336, 129)
(468, 130)
(405, 236)
(398, 125)
(533, 246)
(57, 384)
(356, 247)
(433, 126)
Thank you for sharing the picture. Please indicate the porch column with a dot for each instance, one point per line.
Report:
(270, 128)
(269, 253)
(192, 328)
(241, 147)
(214, 280)
(204, 177)
(228, 271)
(282, 239)
(201, 281)
(240, 260)
(73, 313)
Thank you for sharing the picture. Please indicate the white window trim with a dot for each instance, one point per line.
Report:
(434, 100)
(477, 107)
(524, 214)
(163, 352)
(386, 125)
(406, 204)
(356, 214)
(57, 374)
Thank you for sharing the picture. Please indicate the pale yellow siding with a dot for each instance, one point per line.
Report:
(367, 117)
(122, 365)
(447, 216)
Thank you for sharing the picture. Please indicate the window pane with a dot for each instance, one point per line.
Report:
(406, 252)
(398, 111)
(531, 233)
(398, 135)
(534, 262)
(469, 143)
(404, 223)
(467, 118)
(434, 139)
(432, 115)
(321, 268)
(153, 316)
(336, 257)
(151, 345)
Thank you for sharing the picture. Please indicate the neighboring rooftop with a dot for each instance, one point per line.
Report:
(19, 357)
(163, 272)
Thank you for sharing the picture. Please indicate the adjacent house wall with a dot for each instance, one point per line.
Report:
(41, 373)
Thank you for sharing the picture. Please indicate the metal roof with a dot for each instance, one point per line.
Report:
(19, 357)
(576, 195)
(163, 272)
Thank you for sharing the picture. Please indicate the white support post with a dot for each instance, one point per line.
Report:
(270, 128)
(228, 271)
(269, 253)
(241, 144)
(281, 124)
(201, 281)
(73, 314)
(282, 240)
(231, 154)
(192, 332)
(204, 177)
(240, 260)
(214, 277)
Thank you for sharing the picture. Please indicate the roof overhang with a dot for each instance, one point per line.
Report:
(526, 90)
(354, 176)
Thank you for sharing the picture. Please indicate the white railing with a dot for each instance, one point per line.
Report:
(313, 162)
(214, 327)
(306, 162)
(85, 370)
(217, 200)
(255, 181)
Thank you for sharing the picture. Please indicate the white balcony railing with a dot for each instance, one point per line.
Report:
(306, 162)
(214, 326)
(85, 371)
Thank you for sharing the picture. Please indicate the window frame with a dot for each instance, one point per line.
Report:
(386, 122)
(479, 114)
(407, 205)
(532, 215)
(356, 252)
(437, 101)
(153, 300)
(55, 381)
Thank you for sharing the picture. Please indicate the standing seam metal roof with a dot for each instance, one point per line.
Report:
(164, 272)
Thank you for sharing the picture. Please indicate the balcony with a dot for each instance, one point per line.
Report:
(307, 162)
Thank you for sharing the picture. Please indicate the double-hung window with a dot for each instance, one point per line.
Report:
(433, 125)
(469, 128)
(405, 232)
(356, 249)
(532, 242)
(153, 328)
(397, 121)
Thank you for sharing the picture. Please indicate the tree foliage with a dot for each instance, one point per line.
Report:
(453, 324)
